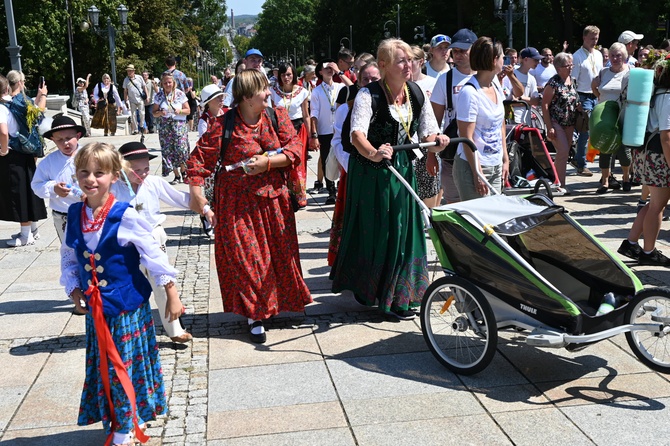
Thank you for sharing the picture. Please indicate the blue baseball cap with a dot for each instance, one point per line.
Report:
(254, 52)
(463, 39)
(531, 52)
(438, 39)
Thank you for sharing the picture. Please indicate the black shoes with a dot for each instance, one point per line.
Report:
(206, 227)
(403, 315)
(629, 250)
(613, 183)
(655, 258)
(259, 336)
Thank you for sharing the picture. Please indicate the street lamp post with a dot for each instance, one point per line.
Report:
(347, 39)
(94, 18)
(14, 49)
(510, 16)
(387, 33)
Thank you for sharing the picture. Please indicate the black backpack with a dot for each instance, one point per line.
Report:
(378, 97)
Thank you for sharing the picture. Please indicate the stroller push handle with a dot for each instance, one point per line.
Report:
(413, 146)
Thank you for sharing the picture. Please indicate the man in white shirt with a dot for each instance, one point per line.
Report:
(530, 58)
(545, 70)
(439, 100)
(322, 113)
(439, 50)
(631, 40)
(587, 63)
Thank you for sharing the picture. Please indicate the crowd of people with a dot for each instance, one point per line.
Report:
(247, 178)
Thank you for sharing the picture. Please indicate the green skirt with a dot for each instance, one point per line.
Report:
(382, 256)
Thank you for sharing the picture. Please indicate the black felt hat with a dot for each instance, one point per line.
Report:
(135, 151)
(62, 122)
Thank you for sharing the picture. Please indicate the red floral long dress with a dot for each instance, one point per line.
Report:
(256, 245)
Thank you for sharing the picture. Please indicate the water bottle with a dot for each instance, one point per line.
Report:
(75, 191)
(607, 305)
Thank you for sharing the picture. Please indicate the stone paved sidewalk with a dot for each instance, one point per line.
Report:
(337, 374)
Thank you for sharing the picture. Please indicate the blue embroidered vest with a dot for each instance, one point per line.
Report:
(122, 285)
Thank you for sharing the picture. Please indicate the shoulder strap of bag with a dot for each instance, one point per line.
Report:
(417, 92)
(136, 87)
(450, 84)
(228, 125)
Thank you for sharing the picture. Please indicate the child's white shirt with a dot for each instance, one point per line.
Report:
(149, 195)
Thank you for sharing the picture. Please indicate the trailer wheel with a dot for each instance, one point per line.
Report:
(459, 325)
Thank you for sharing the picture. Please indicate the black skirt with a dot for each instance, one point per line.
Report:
(17, 200)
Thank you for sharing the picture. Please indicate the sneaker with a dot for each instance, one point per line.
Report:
(332, 198)
(403, 315)
(318, 185)
(584, 171)
(21, 241)
(629, 250)
(36, 234)
(654, 258)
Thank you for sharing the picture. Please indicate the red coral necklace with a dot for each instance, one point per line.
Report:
(94, 225)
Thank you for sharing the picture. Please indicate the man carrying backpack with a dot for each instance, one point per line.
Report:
(444, 98)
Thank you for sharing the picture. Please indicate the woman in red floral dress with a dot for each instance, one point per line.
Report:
(256, 245)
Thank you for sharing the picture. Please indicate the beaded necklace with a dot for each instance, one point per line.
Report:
(94, 225)
(405, 124)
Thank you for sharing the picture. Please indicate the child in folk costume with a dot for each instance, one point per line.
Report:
(54, 177)
(145, 192)
(105, 242)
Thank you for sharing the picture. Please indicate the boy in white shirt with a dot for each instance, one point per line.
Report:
(145, 192)
(54, 178)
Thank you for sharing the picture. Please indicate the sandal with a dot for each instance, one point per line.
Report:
(602, 189)
(613, 183)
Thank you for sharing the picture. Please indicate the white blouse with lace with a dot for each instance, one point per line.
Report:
(362, 114)
(134, 230)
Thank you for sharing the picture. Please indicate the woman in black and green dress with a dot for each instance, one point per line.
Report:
(382, 257)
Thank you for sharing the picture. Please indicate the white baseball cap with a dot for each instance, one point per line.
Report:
(628, 36)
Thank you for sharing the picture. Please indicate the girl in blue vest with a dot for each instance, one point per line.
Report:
(105, 243)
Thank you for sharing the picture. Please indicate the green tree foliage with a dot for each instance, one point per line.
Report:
(156, 29)
(285, 26)
(242, 44)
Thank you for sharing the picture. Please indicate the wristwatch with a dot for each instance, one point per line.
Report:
(340, 73)
(314, 135)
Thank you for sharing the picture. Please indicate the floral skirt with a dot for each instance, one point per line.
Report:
(656, 171)
(135, 338)
(257, 258)
(297, 177)
(428, 186)
(173, 137)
